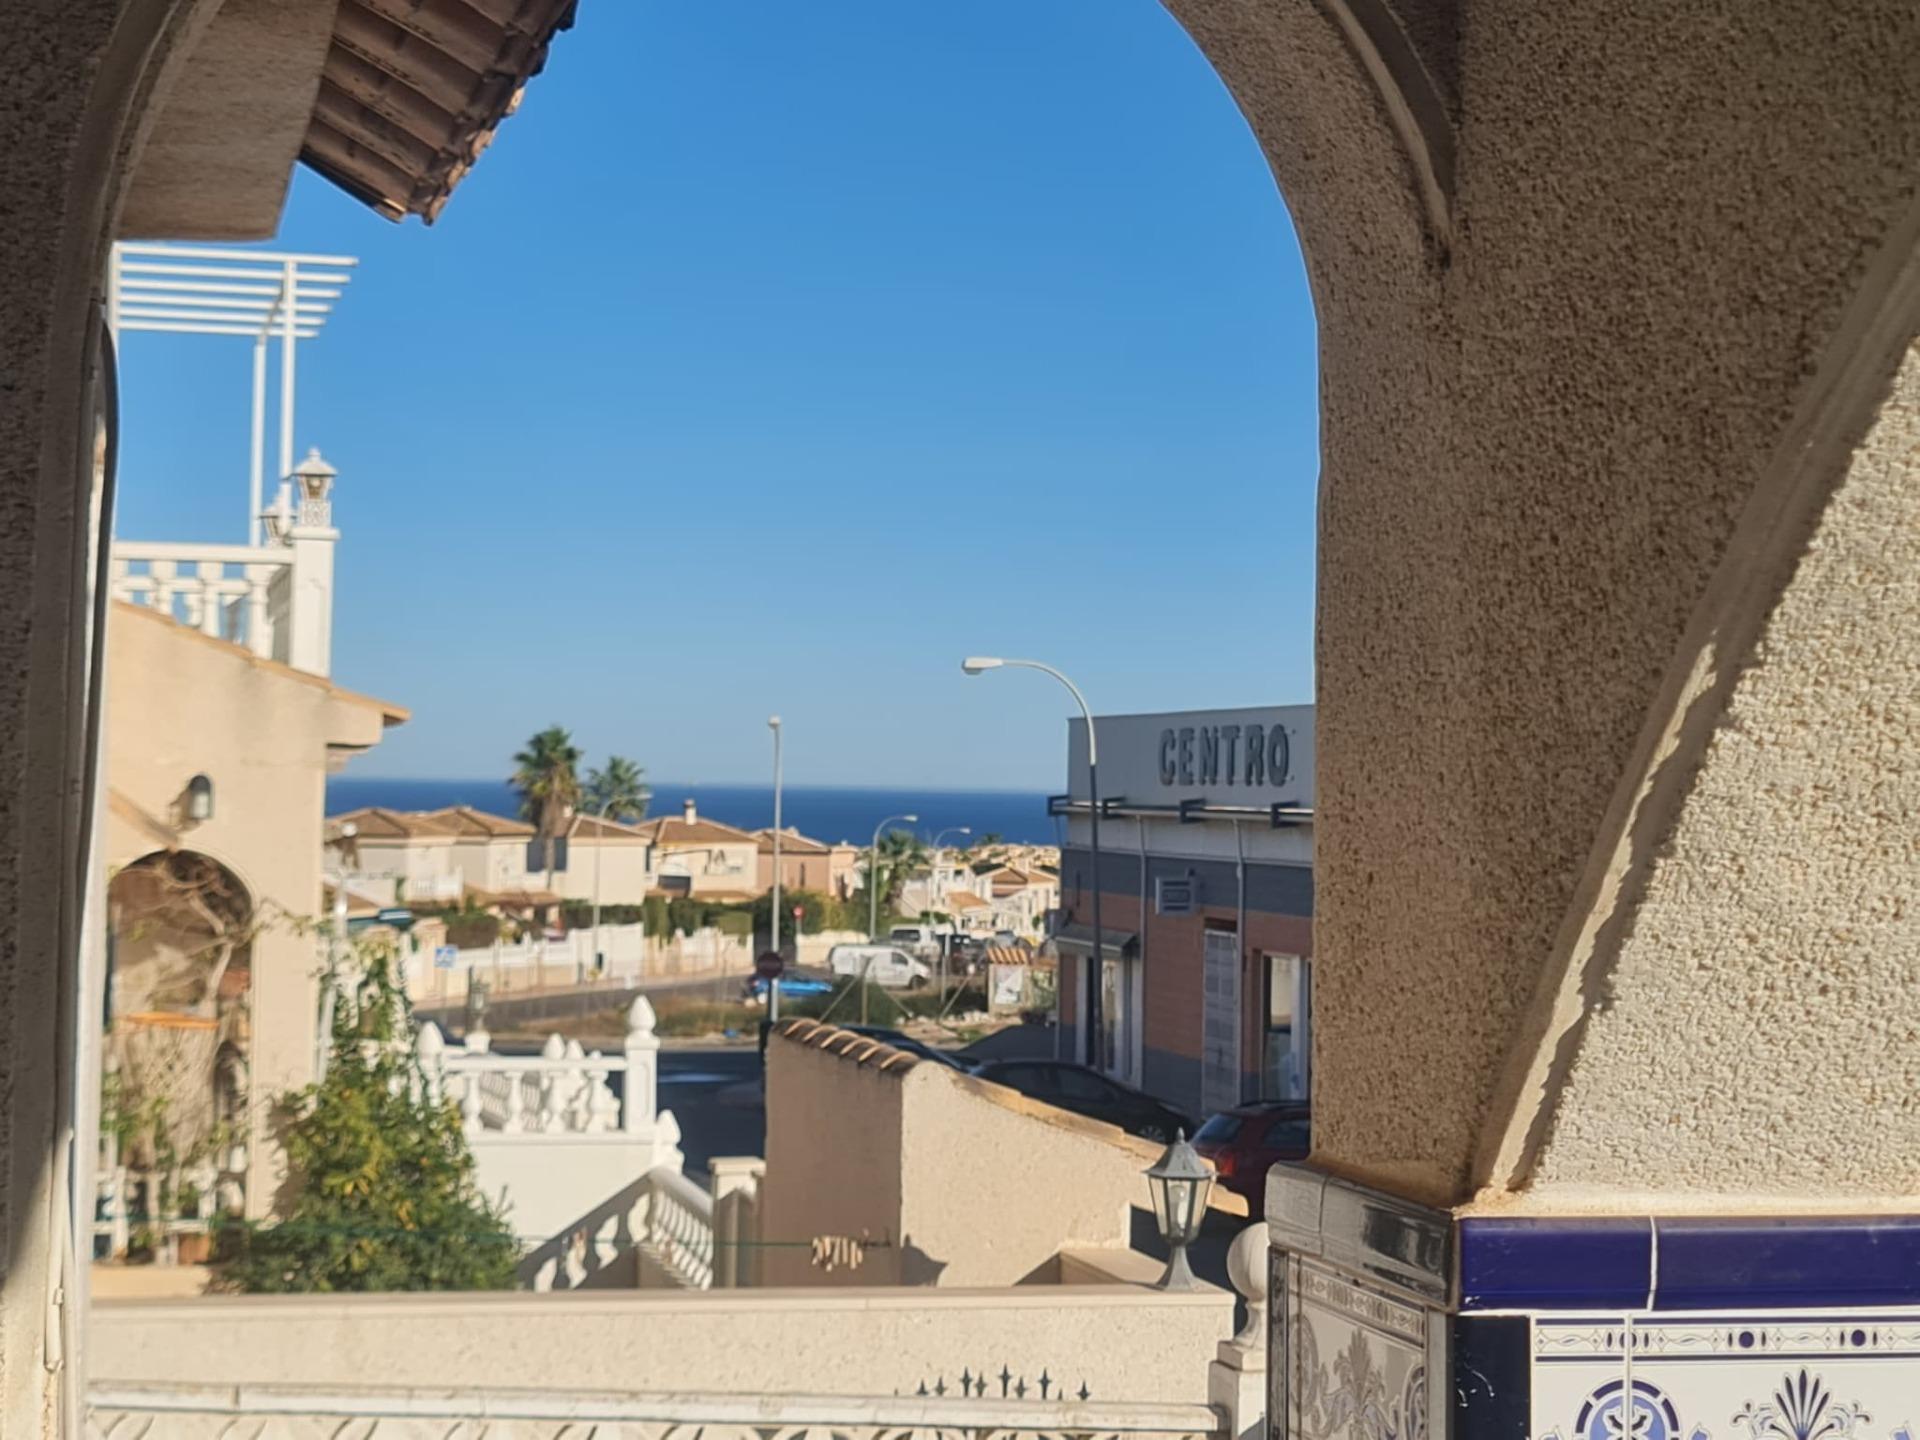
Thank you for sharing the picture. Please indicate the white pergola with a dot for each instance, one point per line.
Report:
(258, 294)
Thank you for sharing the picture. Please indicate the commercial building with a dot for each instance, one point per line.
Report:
(1206, 900)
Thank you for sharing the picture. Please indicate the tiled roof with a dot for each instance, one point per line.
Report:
(389, 714)
(373, 822)
(671, 830)
(792, 842)
(592, 827)
(412, 91)
(452, 823)
(963, 900)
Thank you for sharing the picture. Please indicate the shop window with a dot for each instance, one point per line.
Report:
(1284, 1051)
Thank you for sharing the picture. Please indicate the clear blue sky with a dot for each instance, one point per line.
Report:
(776, 356)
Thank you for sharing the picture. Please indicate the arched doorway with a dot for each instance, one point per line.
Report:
(181, 927)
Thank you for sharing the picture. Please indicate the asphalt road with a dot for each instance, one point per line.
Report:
(714, 1092)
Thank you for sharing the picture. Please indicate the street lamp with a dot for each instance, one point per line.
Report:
(873, 901)
(976, 664)
(933, 867)
(1179, 1182)
(599, 844)
(773, 985)
(873, 873)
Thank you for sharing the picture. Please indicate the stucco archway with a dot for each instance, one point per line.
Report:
(1613, 308)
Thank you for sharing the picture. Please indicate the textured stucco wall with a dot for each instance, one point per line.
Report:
(183, 705)
(1535, 447)
(1125, 1342)
(1758, 1038)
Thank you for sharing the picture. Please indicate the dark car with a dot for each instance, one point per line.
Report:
(1244, 1143)
(1086, 1091)
(915, 1047)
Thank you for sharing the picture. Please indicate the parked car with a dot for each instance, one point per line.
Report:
(1244, 1143)
(791, 987)
(884, 965)
(1085, 1091)
(919, 940)
(900, 1041)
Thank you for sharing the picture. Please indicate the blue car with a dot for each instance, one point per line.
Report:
(794, 985)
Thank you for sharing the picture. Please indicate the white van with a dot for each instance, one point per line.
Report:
(886, 965)
(921, 940)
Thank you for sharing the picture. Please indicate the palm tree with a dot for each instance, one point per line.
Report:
(547, 775)
(900, 854)
(620, 791)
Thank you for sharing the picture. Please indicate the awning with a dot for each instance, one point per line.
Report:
(1114, 944)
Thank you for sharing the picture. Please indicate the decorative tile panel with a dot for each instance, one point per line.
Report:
(1359, 1362)
(1756, 1375)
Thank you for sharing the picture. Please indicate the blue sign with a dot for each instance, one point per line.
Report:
(444, 957)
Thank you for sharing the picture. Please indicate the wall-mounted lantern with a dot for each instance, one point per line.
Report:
(199, 807)
(1180, 1182)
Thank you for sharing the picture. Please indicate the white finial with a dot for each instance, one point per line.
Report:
(640, 1016)
(555, 1048)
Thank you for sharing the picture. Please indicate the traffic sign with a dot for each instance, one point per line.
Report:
(444, 957)
(770, 966)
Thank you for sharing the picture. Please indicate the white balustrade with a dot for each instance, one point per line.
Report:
(550, 1135)
(276, 599)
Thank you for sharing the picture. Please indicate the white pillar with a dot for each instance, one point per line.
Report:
(312, 540)
(643, 1067)
(1237, 1379)
(257, 464)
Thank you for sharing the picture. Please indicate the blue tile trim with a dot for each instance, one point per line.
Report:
(1728, 1264)
(1527, 1264)
(1810, 1262)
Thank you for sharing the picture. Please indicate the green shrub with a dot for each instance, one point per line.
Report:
(385, 1192)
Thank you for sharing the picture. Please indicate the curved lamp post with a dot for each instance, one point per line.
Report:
(933, 865)
(1179, 1181)
(773, 915)
(873, 872)
(975, 665)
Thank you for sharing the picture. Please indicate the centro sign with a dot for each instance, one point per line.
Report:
(1225, 754)
(1247, 755)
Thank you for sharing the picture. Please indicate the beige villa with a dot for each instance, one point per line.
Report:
(216, 761)
(807, 864)
(699, 857)
(445, 856)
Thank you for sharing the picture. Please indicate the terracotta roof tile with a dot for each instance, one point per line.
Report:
(412, 91)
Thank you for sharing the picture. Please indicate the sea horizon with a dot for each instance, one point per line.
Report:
(822, 812)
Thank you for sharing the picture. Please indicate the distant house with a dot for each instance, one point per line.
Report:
(700, 857)
(971, 915)
(440, 857)
(1019, 899)
(807, 864)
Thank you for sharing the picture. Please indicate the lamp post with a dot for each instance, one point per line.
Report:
(599, 844)
(873, 899)
(976, 664)
(1179, 1182)
(933, 866)
(773, 985)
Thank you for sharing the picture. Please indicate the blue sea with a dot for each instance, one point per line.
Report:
(824, 812)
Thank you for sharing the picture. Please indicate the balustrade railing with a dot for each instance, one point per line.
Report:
(662, 1223)
(241, 593)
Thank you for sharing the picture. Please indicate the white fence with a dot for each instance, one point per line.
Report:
(548, 1133)
(441, 976)
(241, 593)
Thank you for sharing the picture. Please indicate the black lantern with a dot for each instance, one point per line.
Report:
(1180, 1182)
(199, 804)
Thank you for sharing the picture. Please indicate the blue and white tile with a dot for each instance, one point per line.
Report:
(1752, 1376)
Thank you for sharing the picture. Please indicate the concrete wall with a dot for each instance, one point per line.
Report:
(1124, 1342)
(186, 705)
(972, 1183)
